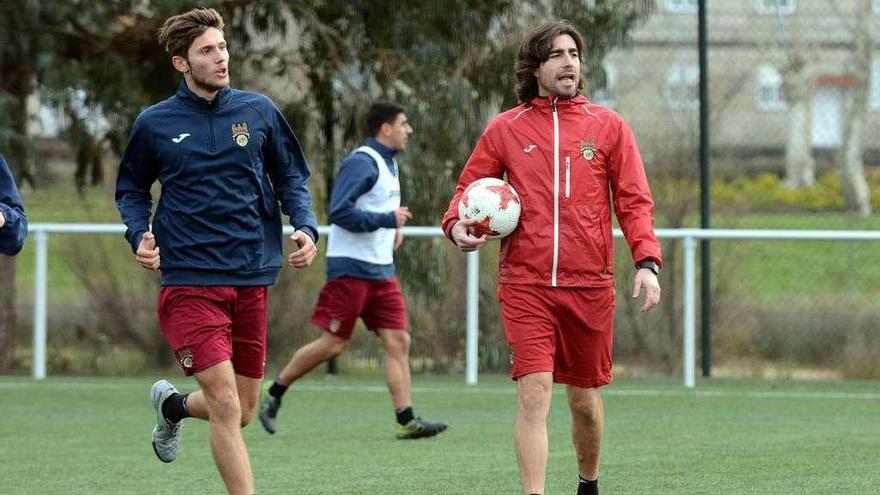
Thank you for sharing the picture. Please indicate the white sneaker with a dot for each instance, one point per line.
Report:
(166, 435)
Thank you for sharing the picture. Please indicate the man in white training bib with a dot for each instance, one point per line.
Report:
(365, 229)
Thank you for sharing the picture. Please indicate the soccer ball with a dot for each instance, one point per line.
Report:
(494, 203)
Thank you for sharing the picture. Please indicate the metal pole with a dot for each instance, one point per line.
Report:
(473, 301)
(705, 196)
(688, 308)
(329, 120)
(40, 284)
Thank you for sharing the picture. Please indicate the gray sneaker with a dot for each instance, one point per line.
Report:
(268, 412)
(166, 435)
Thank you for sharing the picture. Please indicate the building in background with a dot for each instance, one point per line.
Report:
(773, 65)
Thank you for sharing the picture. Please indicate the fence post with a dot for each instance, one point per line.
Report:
(473, 300)
(40, 283)
(688, 305)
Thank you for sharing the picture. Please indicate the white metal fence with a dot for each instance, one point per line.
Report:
(40, 232)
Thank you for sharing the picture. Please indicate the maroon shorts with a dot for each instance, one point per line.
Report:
(563, 330)
(343, 300)
(207, 325)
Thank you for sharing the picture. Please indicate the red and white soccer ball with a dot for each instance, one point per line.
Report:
(494, 203)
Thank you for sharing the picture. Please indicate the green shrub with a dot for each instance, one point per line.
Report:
(766, 193)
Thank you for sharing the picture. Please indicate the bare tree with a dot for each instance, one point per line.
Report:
(800, 167)
(855, 188)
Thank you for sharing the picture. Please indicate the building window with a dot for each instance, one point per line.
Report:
(785, 7)
(875, 85)
(769, 93)
(681, 6)
(683, 86)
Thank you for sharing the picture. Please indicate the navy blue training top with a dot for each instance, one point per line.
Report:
(14, 230)
(224, 166)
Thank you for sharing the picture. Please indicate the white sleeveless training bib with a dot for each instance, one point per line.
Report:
(375, 247)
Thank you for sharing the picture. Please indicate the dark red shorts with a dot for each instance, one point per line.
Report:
(563, 330)
(207, 325)
(345, 299)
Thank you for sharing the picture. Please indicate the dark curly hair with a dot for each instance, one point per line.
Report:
(535, 50)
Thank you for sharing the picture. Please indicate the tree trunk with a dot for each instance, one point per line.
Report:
(800, 168)
(855, 188)
(7, 314)
(7, 288)
(19, 160)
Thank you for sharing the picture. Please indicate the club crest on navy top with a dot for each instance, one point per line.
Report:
(240, 134)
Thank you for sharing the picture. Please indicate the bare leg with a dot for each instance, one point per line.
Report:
(220, 393)
(397, 374)
(311, 355)
(587, 427)
(248, 397)
(530, 431)
(248, 390)
(197, 405)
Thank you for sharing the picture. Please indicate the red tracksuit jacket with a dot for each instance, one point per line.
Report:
(566, 158)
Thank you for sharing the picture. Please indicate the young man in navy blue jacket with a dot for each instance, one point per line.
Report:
(365, 229)
(225, 159)
(13, 222)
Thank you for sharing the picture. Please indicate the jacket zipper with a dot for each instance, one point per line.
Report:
(567, 177)
(211, 125)
(555, 193)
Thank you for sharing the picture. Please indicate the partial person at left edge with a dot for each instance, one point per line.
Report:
(13, 221)
(225, 159)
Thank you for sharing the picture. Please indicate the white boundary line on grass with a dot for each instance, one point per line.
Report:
(381, 389)
(610, 392)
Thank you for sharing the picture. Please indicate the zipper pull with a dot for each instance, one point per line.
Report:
(567, 177)
(553, 104)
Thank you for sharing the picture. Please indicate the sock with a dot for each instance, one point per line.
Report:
(587, 487)
(404, 415)
(277, 389)
(174, 407)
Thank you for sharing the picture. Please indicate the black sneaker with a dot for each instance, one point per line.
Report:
(419, 428)
(268, 412)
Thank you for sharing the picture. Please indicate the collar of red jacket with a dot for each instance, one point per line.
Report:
(545, 102)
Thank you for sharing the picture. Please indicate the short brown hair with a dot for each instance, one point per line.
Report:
(381, 112)
(535, 50)
(179, 31)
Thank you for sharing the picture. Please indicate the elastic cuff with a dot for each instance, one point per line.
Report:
(447, 229)
(135, 240)
(390, 221)
(310, 231)
(7, 222)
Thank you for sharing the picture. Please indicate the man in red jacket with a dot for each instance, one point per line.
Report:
(570, 161)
